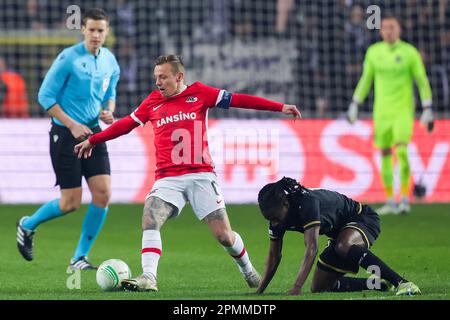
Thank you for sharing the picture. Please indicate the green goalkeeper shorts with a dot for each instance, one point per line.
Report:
(391, 131)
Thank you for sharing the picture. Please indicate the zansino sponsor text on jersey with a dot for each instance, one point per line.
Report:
(175, 118)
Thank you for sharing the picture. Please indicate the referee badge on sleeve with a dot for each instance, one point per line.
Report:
(105, 84)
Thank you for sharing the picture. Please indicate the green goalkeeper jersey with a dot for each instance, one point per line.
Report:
(393, 68)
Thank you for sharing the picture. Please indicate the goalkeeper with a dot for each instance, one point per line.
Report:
(392, 65)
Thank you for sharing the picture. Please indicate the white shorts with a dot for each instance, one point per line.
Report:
(200, 189)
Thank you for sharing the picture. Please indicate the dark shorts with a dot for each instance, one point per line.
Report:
(67, 167)
(368, 224)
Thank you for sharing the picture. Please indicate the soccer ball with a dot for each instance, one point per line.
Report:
(110, 273)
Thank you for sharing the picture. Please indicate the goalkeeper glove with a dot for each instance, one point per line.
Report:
(427, 118)
(352, 112)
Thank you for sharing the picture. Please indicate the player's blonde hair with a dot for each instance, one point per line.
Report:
(174, 60)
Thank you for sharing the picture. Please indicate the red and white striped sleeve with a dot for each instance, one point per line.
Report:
(141, 114)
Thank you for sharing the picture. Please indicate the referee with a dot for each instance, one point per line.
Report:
(78, 90)
(393, 65)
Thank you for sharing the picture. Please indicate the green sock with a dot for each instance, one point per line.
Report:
(405, 172)
(387, 175)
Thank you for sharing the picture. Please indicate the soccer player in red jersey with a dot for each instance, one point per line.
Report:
(184, 173)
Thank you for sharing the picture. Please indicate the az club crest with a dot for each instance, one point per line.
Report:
(191, 99)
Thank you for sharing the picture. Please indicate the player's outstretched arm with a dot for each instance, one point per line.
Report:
(273, 260)
(246, 101)
(117, 129)
(311, 243)
(291, 109)
(84, 149)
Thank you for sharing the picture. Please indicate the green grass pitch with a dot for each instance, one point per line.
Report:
(195, 266)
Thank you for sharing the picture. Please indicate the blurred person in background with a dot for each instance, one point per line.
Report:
(393, 65)
(13, 93)
(77, 92)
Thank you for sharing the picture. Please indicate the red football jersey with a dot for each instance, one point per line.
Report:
(180, 128)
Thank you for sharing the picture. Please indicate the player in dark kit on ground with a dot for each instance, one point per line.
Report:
(351, 227)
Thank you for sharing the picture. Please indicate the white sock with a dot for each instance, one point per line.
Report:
(240, 255)
(391, 202)
(151, 251)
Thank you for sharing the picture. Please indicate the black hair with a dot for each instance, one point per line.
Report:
(273, 195)
(95, 14)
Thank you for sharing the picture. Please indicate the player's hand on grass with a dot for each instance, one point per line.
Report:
(352, 112)
(80, 131)
(83, 149)
(295, 291)
(291, 109)
(427, 119)
(107, 116)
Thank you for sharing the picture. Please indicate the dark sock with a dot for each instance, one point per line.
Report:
(365, 259)
(347, 284)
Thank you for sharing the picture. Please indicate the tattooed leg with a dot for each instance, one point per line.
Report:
(219, 225)
(156, 213)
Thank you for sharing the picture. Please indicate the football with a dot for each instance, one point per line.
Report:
(110, 273)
